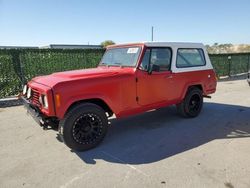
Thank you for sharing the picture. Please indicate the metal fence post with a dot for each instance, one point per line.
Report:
(16, 62)
(248, 65)
(21, 70)
(229, 65)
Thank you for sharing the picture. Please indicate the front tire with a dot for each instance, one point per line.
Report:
(192, 104)
(84, 127)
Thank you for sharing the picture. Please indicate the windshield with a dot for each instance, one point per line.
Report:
(126, 56)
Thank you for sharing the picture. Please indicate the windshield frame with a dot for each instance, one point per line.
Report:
(120, 47)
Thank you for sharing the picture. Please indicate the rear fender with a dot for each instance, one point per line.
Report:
(192, 84)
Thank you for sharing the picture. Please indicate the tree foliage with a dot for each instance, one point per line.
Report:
(107, 43)
(217, 48)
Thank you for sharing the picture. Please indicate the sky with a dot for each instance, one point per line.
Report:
(43, 22)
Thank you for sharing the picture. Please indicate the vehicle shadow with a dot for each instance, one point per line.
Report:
(160, 134)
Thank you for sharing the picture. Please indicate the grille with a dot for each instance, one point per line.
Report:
(35, 97)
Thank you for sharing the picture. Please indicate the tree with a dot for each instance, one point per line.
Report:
(107, 42)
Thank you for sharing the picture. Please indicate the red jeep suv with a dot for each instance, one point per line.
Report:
(130, 79)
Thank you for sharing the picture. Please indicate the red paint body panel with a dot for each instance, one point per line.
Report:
(126, 90)
(117, 91)
(45, 90)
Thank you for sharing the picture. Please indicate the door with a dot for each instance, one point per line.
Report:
(155, 87)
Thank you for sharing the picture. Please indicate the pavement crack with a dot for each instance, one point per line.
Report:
(128, 165)
(74, 179)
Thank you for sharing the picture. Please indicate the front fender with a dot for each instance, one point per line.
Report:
(62, 110)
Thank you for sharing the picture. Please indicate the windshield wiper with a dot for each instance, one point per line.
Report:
(105, 64)
(113, 64)
(119, 64)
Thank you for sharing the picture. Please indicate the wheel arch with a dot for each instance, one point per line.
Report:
(189, 86)
(96, 101)
(199, 86)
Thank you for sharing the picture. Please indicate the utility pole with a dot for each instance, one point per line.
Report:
(152, 33)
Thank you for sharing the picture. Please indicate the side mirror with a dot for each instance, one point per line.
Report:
(153, 67)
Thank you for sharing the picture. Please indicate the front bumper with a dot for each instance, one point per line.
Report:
(34, 112)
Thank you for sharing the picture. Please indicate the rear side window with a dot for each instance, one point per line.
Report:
(190, 58)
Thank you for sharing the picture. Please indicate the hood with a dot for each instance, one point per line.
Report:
(55, 78)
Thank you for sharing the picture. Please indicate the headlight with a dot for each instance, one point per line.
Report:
(45, 102)
(24, 89)
(41, 99)
(29, 93)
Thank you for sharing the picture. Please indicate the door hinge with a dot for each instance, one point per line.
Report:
(137, 99)
(136, 79)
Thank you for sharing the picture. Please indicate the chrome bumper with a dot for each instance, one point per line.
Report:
(34, 112)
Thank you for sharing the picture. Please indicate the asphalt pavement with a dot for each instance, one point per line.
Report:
(154, 149)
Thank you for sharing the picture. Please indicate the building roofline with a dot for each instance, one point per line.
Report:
(18, 47)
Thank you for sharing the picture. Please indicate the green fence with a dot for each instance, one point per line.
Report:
(230, 64)
(18, 66)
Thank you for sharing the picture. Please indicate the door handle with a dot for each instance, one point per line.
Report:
(169, 76)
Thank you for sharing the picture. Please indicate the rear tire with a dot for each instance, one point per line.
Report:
(84, 127)
(192, 104)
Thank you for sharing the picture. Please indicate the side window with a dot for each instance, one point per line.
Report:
(190, 58)
(157, 56)
(145, 61)
(161, 57)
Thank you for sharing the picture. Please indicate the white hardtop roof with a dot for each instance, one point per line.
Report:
(164, 44)
(174, 44)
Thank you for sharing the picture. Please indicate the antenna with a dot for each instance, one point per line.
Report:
(152, 33)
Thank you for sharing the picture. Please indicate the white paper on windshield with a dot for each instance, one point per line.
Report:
(132, 50)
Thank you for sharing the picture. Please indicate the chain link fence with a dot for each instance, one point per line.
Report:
(19, 66)
(230, 64)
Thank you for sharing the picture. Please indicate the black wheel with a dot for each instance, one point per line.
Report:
(84, 127)
(192, 104)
